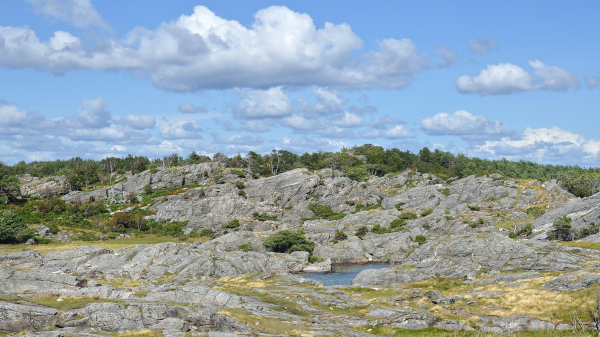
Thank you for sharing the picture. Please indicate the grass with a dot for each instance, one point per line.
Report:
(581, 244)
(67, 303)
(273, 326)
(431, 332)
(510, 224)
(110, 244)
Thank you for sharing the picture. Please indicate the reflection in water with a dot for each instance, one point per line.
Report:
(343, 273)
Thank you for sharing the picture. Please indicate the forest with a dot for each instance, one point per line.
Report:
(358, 163)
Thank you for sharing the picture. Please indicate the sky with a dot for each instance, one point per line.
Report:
(492, 79)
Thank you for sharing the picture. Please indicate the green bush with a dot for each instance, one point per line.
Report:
(474, 208)
(42, 241)
(240, 184)
(448, 218)
(399, 205)
(207, 233)
(246, 247)
(407, 216)
(53, 228)
(242, 194)
(426, 226)
(361, 232)
(420, 239)
(264, 216)
(397, 223)
(239, 173)
(535, 211)
(427, 212)
(445, 191)
(377, 229)
(11, 224)
(313, 259)
(340, 236)
(288, 241)
(512, 235)
(235, 223)
(325, 212)
(25, 235)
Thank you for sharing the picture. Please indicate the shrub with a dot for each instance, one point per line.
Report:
(25, 235)
(92, 198)
(325, 212)
(397, 223)
(448, 218)
(426, 226)
(340, 235)
(481, 221)
(264, 216)
(427, 212)
(512, 235)
(11, 224)
(147, 189)
(53, 228)
(240, 184)
(42, 241)
(562, 229)
(207, 233)
(535, 211)
(377, 229)
(235, 223)
(399, 205)
(474, 208)
(246, 247)
(288, 241)
(407, 216)
(242, 194)
(445, 191)
(420, 239)
(313, 259)
(361, 232)
(239, 173)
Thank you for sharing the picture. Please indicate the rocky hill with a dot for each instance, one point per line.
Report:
(464, 254)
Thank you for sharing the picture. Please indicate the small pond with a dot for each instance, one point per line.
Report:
(342, 274)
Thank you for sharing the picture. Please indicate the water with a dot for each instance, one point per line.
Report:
(343, 273)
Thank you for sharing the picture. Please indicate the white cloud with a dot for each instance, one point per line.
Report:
(181, 130)
(271, 103)
(592, 81)
(140, 121)
(464, 124)
(398, 132)
(506, 78)
(552, 145)
(93, 113)
(189, 108)
(242, 140)
(448, 56)
(311, 144)
(165, 148)
(483, 46)
(225, 124)
(203, 51)
(81, 13)
(348, 121)
(256, 126)
(372, 133)
(384, 121)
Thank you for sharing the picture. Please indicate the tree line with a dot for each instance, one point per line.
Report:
(358, 163)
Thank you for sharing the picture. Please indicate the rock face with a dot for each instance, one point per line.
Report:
(18, 317)
(48, 187)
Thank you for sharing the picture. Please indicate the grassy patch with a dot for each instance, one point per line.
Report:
(581, 244)
(273, 326)
(67, 303)
(510, 224)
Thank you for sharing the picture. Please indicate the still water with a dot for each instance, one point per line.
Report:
(343, 273)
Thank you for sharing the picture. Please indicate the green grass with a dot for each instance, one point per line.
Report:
(68, 303)
(431, 332)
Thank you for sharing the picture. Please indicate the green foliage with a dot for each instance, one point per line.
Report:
(25, 235)
(288, 241)
(445, 191)
(240, 184)
(207, 233)
(420, 239)
(361, 232)
(11, 224)
(407, 216)
(535, 211)
(239, 173)
(243, 194)
(246, 247)
(340, 235)
(235, 223)
(527, 229)
(53, 228)
(448, 217)
(427, 212)
(367, 207)
(474, 208)
(562, 229)
(397, 223)
(313, 259)
(9, 185)
(426, 226)
(512, 235)
(147, 189)
(264, 216)
(325, 212)
(399, 205)
(174, 228)
(377, 229)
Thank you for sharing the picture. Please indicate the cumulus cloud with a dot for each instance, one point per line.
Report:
(204, 51)
(398, 132)
(271, 103)
(256, 126)
(552, 145)
(225, 124)
(311, 144)
(483, 46)
(93, 113)
(165, 148)
(448, 56)
(506, 78)
(81, 13)
(348, 120)
(140, 121)
(242, 140)
(181, 130)
(189, 108)
(592, 81)
(464, 124)
(383, 121)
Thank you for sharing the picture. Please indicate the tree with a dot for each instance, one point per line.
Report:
(11, 224)
(562, 229)
(9, 185)
(109, 165)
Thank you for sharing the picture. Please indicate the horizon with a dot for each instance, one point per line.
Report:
(95, 79)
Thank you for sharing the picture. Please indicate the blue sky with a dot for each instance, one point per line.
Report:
(490, 79)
